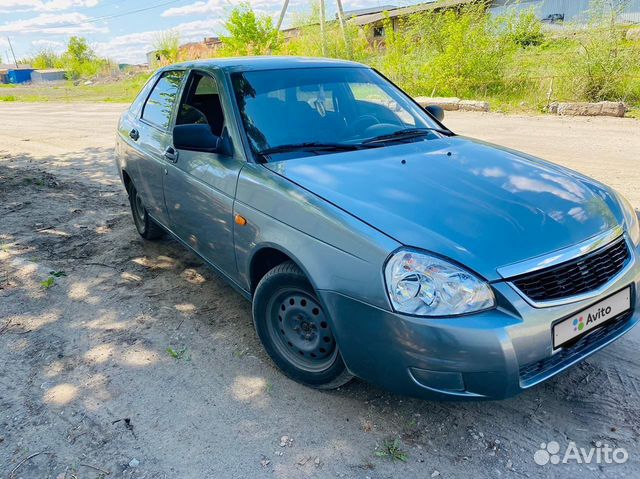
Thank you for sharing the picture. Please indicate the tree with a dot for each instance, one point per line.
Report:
(44, 59)
(249, 34)
(79, 50)
(79, 60)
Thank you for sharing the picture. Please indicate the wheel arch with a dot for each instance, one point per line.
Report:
(268, 256)
(126, 179)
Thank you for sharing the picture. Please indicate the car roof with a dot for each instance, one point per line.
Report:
(266, 63)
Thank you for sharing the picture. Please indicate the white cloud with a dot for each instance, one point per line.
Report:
(13, 6)
(219, 6)
(48, 44)
(133, 47)
(57, 5)
(56, 24)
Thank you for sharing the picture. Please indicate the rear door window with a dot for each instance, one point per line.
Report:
(159, 106)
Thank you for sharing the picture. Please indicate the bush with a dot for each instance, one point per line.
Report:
(167, 47)
(523, 28)
(308, 40)
(44, 59)
(457, 52)
(603, 67)
(249, 33)
(80, 61)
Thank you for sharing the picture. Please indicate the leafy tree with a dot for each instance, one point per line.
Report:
(249, 34)
(45, 58)
(80, 61)
(79, 50)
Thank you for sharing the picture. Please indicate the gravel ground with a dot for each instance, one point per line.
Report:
(87, 385)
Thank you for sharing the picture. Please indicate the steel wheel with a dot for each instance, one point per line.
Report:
(300, 330)
(295, 330)
(138, 208)
(147, 228)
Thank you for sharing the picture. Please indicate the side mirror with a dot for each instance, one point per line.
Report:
(196, 137)
(435, 111)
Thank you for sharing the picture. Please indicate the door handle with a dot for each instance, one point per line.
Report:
(134, 135)
(171, 154)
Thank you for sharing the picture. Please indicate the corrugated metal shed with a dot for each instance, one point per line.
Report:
(572, 10)
(39, 76)
(410, 10)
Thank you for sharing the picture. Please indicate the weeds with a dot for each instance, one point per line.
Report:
(48, 283)
(392, 449)
(167, 47)
(509, 59)
(178, 355)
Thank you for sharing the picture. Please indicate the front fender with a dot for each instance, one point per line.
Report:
(336, 251)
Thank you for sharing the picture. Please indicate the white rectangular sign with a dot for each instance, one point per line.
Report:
(592, 317)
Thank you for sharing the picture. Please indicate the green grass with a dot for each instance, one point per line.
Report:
(179, 354)
(48, 283)
(392, 449)
(123, 91)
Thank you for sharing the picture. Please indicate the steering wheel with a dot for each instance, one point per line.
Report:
(363, 122)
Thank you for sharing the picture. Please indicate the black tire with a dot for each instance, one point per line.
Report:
(285, 300)
(147, 228)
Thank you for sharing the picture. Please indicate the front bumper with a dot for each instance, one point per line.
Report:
(489, 355)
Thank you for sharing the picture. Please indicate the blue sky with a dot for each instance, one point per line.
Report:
(119, 29)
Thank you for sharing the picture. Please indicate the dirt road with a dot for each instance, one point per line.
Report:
(86, 379)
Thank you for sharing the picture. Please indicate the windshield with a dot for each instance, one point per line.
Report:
(307, 111)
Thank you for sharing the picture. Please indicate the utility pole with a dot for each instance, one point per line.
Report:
(341, 19)
(282, 12)
(12, 53)
(322, 32)
(347, 42)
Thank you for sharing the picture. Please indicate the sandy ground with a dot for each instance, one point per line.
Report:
(86, 380)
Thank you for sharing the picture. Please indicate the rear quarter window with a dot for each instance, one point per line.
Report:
(136, 105)
(159, 106)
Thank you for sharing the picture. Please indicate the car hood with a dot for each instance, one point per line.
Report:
(476, 203)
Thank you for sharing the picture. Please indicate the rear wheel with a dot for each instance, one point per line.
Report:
(147, 228)
(296, 331)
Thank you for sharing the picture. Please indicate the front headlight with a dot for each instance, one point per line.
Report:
(630, 219)
(424, 285)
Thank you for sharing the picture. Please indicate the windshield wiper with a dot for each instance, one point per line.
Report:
(310, 146)
(406, 133)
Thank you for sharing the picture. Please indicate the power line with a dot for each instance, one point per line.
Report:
(103, 17)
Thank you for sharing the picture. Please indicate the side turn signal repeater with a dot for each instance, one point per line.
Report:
(241, 220)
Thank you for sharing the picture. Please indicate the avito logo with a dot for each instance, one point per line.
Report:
(579, 323)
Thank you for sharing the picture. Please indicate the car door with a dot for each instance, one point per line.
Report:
(199, 187)
(152, 139)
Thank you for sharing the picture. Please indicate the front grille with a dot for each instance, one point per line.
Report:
(577, 276)
(531, 373)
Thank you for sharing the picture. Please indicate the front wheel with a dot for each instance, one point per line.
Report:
(295, 330)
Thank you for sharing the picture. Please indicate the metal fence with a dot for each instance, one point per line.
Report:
(571, 10)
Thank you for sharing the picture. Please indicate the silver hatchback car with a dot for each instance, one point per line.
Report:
(372, 240)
